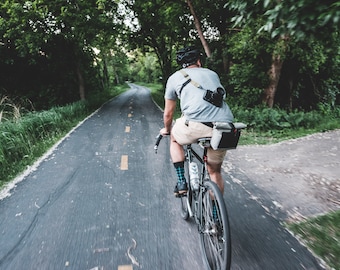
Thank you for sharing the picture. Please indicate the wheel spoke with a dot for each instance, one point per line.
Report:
(215, 240)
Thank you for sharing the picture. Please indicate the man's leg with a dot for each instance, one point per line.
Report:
(215, 160)
(215, 175)
(176, 151)
(177, 157)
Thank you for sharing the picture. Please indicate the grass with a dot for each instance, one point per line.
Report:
(24, 140)
(322, 235)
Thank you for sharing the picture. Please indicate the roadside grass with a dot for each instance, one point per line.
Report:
(24, 140)
(322, 235)
(268, 126)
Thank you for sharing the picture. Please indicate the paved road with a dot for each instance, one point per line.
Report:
(103, 200)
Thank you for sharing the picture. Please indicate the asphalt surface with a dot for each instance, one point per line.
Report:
(102, 199)
(300, 177)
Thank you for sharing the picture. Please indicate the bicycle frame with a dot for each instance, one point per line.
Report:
(190, 153)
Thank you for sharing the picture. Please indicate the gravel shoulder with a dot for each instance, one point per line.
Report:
(301, 176)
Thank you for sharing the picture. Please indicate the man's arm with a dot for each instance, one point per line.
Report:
(169, 109)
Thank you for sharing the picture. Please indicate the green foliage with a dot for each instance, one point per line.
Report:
(322, 235)
(45, 46)
(310, 67)
(309, 73)
(263, 119)
(297, 19)
(302, 18)
(250, 63)
(160, 26)
(27, 138)
(144, 68)
(303, 34)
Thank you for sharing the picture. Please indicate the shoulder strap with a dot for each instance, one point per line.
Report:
(189, 80)
(185, 83)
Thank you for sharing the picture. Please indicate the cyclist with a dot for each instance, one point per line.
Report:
(202, 103)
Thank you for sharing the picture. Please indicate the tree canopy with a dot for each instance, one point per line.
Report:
(48, 45)
(278, 53)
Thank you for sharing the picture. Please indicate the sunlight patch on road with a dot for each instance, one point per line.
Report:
(124, 163)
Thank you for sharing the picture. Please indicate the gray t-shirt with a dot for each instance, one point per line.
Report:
(193, 106)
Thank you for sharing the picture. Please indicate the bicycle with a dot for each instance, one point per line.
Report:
(206, 205)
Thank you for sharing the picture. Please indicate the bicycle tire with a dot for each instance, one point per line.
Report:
(214, 229)
(187, 199)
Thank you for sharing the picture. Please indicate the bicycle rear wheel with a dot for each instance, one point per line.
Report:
(214, 228)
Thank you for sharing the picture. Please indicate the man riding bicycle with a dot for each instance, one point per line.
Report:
(202, 103)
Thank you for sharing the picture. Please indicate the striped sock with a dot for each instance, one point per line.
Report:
(214, 212)
(179, 167)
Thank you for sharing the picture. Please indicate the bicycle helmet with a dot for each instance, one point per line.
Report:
(188, 56)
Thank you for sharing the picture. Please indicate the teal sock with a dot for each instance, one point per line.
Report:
(214, 211)
(179, 167)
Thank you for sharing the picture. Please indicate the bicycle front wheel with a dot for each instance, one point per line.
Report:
(214, 228)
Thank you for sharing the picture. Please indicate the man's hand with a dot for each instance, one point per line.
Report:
(164, 132)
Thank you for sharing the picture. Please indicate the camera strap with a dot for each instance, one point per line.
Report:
(214, 98)
(196, 84)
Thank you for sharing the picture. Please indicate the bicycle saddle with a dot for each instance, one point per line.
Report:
(204, 142)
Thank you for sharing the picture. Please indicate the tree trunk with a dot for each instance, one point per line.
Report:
(81, 83)
(274, 76)
(105, 72)
(116, 75)
(199, 29)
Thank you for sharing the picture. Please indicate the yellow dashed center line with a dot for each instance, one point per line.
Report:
(124, 163)
(125, 267)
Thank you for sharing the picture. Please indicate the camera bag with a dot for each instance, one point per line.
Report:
(226, 135)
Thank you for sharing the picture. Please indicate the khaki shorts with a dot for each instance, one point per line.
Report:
(188, 134)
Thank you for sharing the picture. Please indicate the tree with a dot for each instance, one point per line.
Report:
(287, 21)
(302, 18)
(214, 20)
(158, 26)
(143, 67)
(199, 28)
(31, 29)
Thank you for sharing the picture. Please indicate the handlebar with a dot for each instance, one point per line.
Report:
(158, 140)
